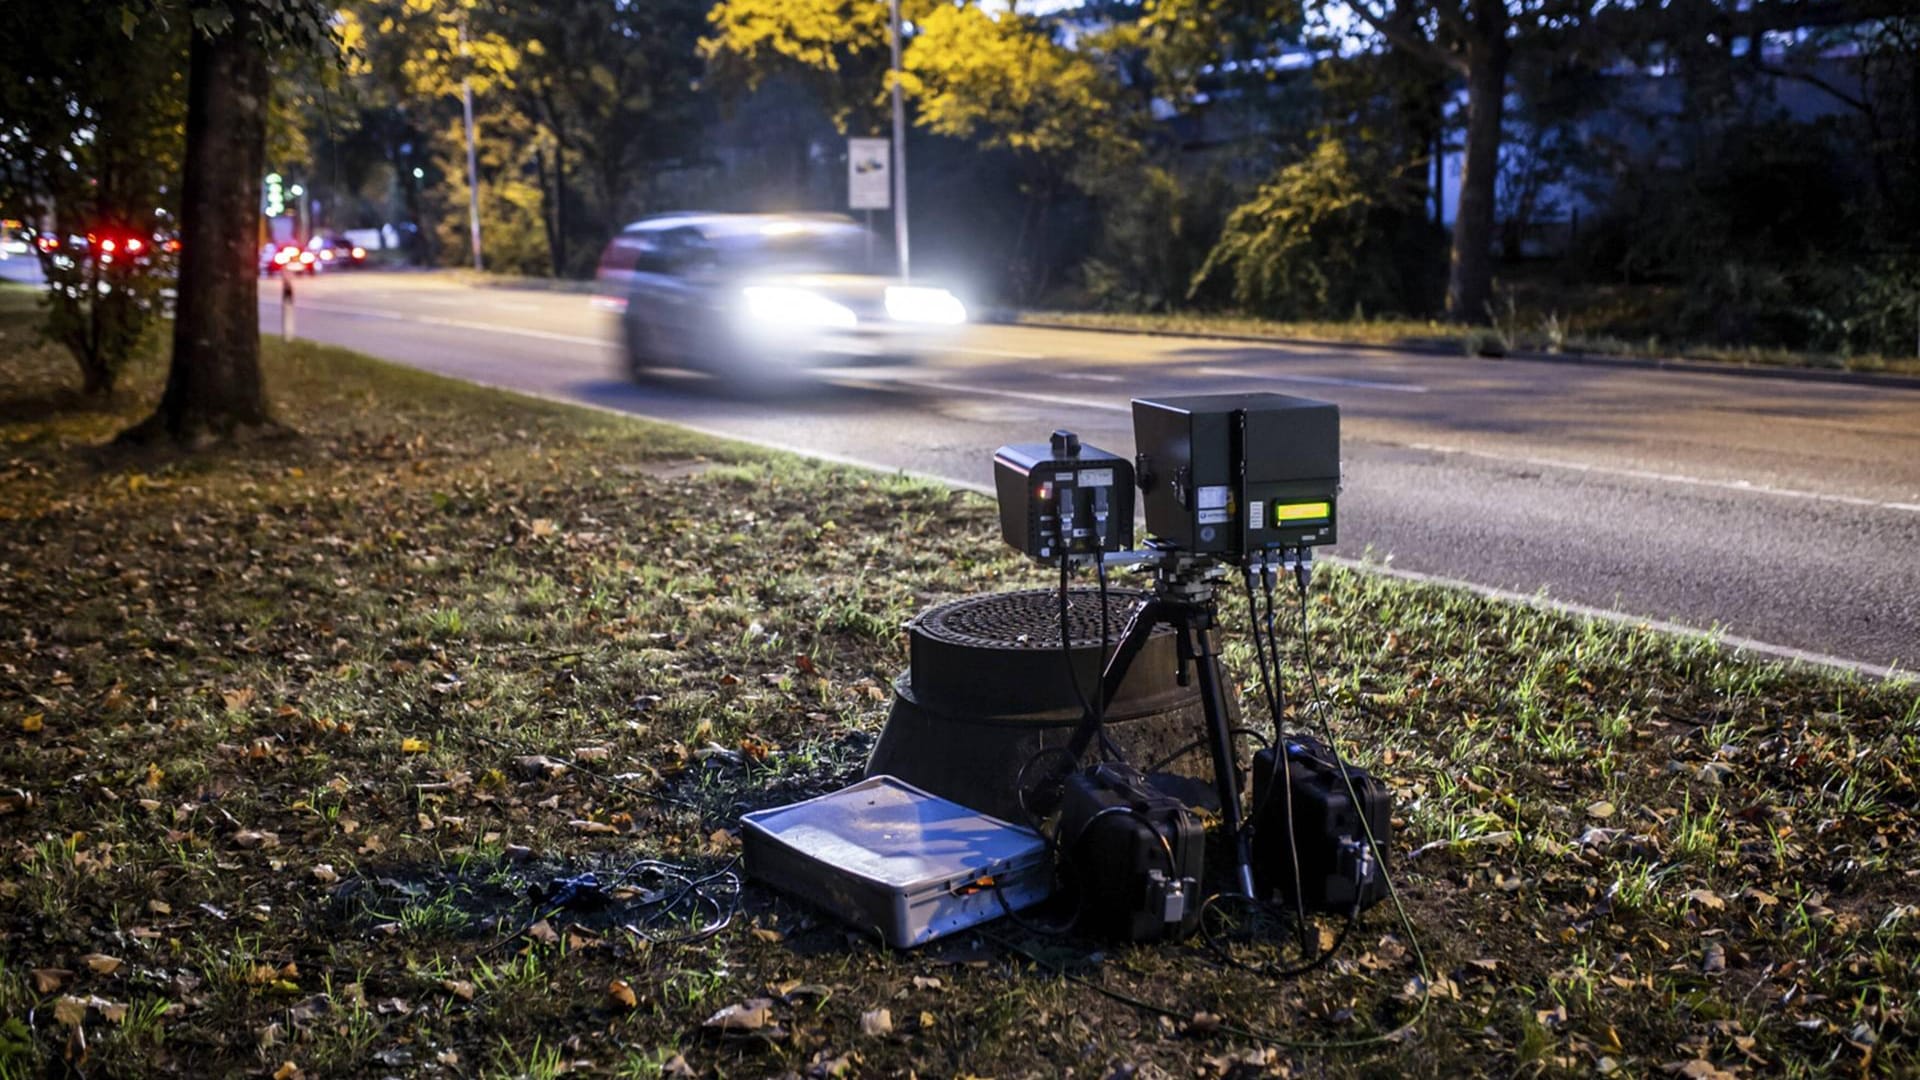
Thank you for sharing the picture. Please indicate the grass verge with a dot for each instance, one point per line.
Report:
(1509, 334)
(269, 803)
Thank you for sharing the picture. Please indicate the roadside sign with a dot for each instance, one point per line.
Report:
(869, 174)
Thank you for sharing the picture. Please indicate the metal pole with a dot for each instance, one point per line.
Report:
(899, 144)
(473, 169)
(286, 303)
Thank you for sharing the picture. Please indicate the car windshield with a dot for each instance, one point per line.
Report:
(834, 250)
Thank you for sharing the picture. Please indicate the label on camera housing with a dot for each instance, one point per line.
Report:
(1091, 478)
(1211, 497)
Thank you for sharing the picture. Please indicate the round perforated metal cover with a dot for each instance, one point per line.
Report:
(1029, 619)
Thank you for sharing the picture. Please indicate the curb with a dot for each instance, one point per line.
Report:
(1690, 367)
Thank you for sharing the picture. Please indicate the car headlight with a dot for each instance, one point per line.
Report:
(920, 304)
(771, 307)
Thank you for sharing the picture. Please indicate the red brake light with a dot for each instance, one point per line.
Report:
(280, 258)
(306, 256)
(108, 246)
(359, 252)
(134, 245)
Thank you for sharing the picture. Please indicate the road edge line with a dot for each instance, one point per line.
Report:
(1686, 367)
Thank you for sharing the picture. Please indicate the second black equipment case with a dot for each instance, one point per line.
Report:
(1135, 854)
(1339, 868)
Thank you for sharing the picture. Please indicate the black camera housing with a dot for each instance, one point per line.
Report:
(1238, 474)
(1037, 484)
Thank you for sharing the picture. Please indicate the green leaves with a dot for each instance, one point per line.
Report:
(1304, 246)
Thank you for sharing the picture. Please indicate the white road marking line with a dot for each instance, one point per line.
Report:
(1021, 395)
(1564, 607)
(1322, 380)
(1008, 354)
(457, 324)
(1089, 376)
(1743, 486)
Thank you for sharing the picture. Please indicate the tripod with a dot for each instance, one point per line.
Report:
(1185, 589)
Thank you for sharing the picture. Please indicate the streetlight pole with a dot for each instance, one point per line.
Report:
(899, 143)
(473, 169)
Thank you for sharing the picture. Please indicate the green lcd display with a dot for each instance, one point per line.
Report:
(1300, 513)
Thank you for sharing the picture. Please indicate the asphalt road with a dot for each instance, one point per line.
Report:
(1784, 513)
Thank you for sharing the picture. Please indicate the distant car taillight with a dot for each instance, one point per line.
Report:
(359, 252)
(134, 245)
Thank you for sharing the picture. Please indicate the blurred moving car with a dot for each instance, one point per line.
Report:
(287, 259)
(325, 252)
(331, 251)
(764, 296)
(107, 246)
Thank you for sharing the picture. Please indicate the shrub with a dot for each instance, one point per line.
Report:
(1315, 241)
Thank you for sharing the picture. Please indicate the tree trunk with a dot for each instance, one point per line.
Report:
(548, 220)
(214, 387)
(559, 206)
(1470, 274)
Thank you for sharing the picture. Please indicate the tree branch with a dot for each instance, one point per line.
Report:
(1401, 38)
(1859, 104)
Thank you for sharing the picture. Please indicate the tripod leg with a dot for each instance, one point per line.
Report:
(1226, 775)
(1133, 638)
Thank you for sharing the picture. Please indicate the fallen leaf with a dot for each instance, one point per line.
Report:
(237, 700)
(50, 980)
(622, 994)
(33, 722)
(742, 1016)
(596, 827)
(1706, 898)
(876, 1022)
(287, 1071)
(1698, 1069)
(536, 766)
(248, 838)
(459, 988)
(324, 873)
(543, 932)
(768, 935)
(101, 964)
(159, 907)
(70, 1011)
(412, 745)
(592, 753)
(1601, 809)
(1715, 960)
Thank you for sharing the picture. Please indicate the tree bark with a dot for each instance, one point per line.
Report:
(1470, 268)
(214, 388)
